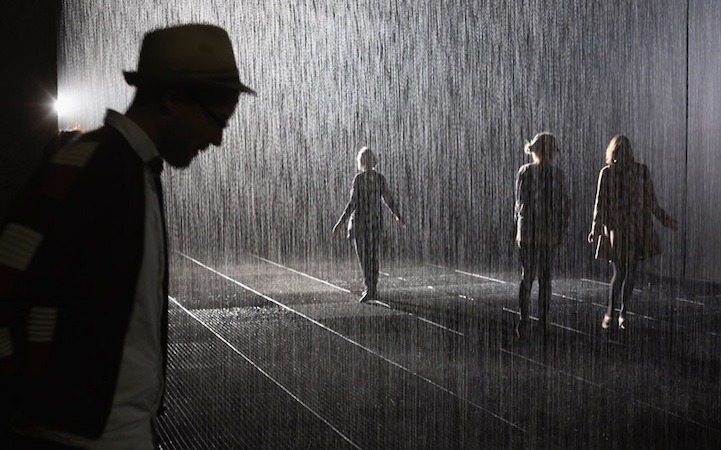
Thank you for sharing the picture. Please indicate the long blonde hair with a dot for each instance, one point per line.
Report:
(619, 150)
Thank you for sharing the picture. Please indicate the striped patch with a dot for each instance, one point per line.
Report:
(17, 246)
(41, 323)
(6, 345)
(76, 155)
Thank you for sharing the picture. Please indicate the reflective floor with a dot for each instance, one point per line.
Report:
(265, 354)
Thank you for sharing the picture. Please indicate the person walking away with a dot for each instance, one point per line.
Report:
(364, 212)
(541, 216)
(622, 223)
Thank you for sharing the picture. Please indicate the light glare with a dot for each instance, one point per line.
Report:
(62, 105)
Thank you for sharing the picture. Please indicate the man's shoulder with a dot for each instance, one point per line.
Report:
(102, 145)
(106, 139)
(99, 158)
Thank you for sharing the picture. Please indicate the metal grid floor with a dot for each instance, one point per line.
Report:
(280, 355)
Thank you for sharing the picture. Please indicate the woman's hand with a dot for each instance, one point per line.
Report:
(591, 238)
(335, 229)
(401, 222)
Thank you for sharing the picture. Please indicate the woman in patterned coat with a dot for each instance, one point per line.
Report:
(622, 222)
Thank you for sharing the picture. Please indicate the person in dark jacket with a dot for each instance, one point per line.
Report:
(83, 255)
(623, 224)
(364, 209)
(541, 215)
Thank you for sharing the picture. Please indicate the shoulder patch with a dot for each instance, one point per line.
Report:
(65, 166)
(77, 154)
(41, 323)
(6, 345)
(17, 246)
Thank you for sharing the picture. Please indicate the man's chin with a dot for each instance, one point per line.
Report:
(179, 164)
(181, 161)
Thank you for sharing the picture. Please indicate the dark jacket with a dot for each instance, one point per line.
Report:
(541, 209)
(364, 208)
(70, 305)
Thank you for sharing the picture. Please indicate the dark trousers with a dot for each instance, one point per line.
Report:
(621, 287)
(366, 247)
(536, 260)
(19, 442)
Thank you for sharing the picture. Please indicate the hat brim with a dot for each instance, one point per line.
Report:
(201, 80)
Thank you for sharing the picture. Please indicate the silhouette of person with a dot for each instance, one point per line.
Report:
(364, 211)
(541, 219)
(83, 260)
(622, 223)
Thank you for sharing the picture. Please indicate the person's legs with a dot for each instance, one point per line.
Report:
(545, 263)
(627, 289)
(374, 267)
(528, 274)
(614, 288)
(363, 251)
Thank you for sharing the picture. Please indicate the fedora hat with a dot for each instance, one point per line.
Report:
(540, 142)
(194, 54)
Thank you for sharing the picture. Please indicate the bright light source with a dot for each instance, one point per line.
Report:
(63, 105)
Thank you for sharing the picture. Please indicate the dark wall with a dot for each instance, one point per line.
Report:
(28, 85)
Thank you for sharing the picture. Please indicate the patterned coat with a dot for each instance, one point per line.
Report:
(69, 263)
(622, 215)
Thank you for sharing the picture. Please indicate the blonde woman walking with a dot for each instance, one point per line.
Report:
(364, 209)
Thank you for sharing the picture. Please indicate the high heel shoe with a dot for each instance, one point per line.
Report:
(622, 323)
(606, 324)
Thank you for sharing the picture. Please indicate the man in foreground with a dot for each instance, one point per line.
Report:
(83, 257)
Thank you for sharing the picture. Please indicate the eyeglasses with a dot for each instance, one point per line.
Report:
(219, 121)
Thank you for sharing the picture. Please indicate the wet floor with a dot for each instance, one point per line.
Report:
(270, 354)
